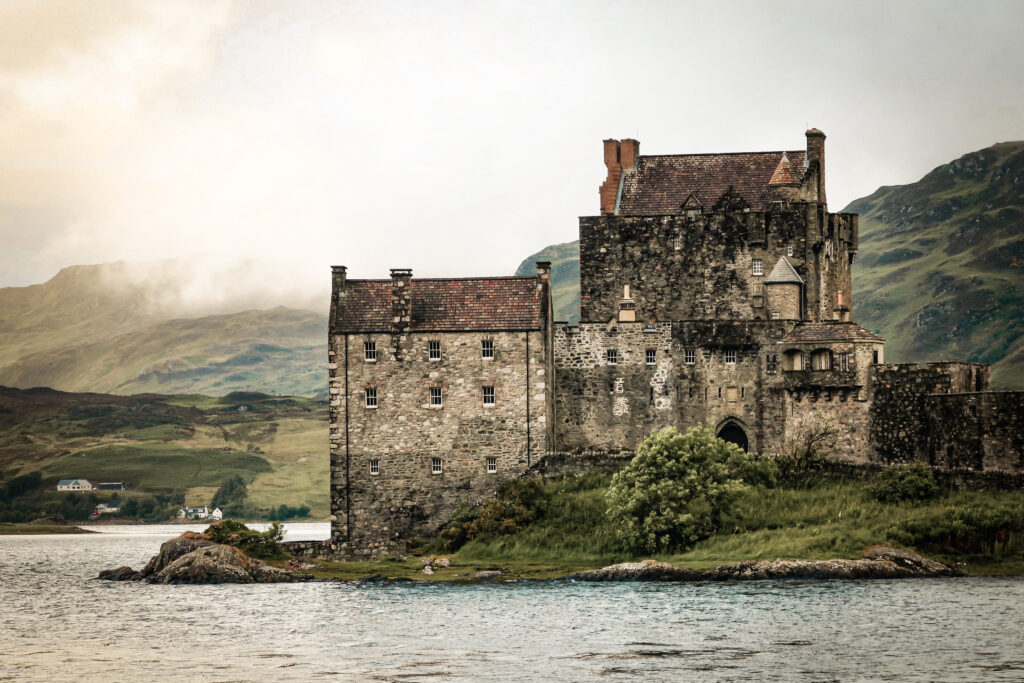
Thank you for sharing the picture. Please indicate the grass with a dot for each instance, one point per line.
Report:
(36, 529)
(833, 520)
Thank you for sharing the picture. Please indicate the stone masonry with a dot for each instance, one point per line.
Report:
(715, 288)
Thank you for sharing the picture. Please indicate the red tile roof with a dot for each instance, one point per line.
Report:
(826, 332)
(660, 184)
(500, 303)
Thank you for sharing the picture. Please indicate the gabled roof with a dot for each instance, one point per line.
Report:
(660, 184)
(499, 303)
(783, 274)
(69, 482)
(829, 332)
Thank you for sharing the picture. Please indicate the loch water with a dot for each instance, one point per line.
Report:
(58, 623)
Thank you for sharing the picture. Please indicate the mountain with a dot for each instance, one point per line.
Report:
(940, 272)
(565, 277)
(98, 328)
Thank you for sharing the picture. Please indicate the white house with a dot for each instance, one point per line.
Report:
(74, 485)
(109, 508)
(194, 513)
(216, 515)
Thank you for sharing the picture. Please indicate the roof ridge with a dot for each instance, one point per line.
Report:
(449, 279)
(721, 154)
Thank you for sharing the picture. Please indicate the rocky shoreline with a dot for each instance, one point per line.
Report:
(195, 559)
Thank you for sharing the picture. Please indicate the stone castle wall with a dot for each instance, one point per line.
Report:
(701, 268)
(405, 500)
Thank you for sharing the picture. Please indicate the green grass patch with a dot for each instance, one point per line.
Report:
(159, 466)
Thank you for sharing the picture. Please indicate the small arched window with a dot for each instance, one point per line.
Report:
(821, 360)
(792, 360)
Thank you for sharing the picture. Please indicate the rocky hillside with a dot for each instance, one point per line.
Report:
(940, 273)
(91, 329)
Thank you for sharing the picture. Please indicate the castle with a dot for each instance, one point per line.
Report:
(715, 288)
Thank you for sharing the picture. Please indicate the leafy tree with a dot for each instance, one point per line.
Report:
(232, 490)
(263, 544)
(677, 487)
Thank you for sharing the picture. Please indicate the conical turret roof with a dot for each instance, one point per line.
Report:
(783, 274)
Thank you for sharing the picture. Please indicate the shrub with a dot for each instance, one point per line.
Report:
(973, 529)
(518, 503)
(262, 544)
(677, 487)
(284, 512)
(904, 483)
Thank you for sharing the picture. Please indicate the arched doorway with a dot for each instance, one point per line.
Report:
(733, 433)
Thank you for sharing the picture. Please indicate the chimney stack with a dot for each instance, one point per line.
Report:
(816, 153)
(401, 300)
(627, 307)
(618, 157)
(338, 293)
(544, 271)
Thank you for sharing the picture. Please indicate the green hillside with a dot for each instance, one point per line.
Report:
(163, 444)
(565, 277)
(88, 329)
(940, 272)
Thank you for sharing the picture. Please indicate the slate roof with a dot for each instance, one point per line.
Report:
(451, 305)
(68, 482)
(660, 184)
(783, 274)
(829, 332)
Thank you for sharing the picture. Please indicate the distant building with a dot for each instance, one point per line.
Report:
(111, 507)
(74, 485)
(216, 515)
(194, 513)
(110, 486)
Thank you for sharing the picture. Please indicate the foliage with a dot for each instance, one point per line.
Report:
(284, 512)
(801, 455)
(261, 544)
(992, 529)
(22, 484)
(676, 489)
(232, 490)
(905, 483)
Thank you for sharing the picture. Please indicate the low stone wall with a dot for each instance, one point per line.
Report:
(553, 465)
(307, 549)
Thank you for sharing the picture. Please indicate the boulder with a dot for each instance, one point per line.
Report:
(120, 574)
(173, 549)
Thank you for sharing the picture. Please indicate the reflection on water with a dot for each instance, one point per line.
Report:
(57, 623)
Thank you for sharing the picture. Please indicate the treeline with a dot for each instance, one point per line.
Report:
(24, 499)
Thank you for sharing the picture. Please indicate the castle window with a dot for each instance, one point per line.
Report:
(612, 356)
(743, 392)
(371, 398)
(487, 348)
(821, 360)
(691, 392)
(730, 356)
(492, 465)
(435, 465)
(719, 392)
(758, 266)
(650, 356)
(370, 351)
(844, 361)
(678, 242)
(689, 356)
(874, 356)
(434, 350)
(488, 396)
(789, 250)
(792, 360)
(375, 466)
(435, 397)
(775, 315)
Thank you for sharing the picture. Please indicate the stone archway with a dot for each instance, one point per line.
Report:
(733, 433)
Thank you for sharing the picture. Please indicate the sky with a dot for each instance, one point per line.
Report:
(262, 142)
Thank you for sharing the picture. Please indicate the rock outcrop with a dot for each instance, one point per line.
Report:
(194, 558)
(880, 562)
